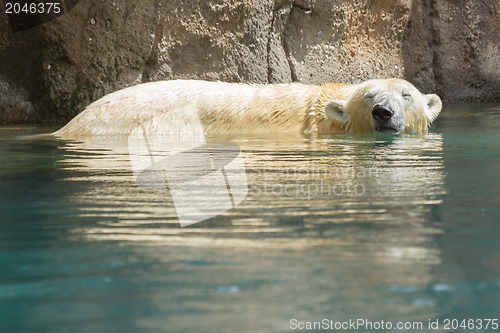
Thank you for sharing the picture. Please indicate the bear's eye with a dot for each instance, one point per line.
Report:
(368, 95)
(406, 95)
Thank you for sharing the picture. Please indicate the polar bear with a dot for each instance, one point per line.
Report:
(380, 105)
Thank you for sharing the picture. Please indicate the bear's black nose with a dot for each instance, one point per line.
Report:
(382, 113)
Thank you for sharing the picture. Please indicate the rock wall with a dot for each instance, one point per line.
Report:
(453, 47)
(52, 71)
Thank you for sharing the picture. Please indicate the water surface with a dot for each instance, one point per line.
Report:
(400, 228)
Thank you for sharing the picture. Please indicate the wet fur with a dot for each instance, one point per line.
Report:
(243, 108)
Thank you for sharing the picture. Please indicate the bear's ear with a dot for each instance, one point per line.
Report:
(434, 106)
(336, 112)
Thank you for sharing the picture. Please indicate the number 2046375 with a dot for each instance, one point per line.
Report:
(32, 8)
(455, 324)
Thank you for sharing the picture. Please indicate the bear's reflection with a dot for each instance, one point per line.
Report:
(362, 209)
(296, 187)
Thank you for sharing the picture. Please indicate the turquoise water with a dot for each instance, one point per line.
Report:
(399, 228)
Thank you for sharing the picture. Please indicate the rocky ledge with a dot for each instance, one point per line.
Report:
(51, 70)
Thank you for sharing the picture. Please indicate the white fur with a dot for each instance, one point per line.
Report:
(237, 108)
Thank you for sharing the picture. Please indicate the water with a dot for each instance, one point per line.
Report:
(400, 228)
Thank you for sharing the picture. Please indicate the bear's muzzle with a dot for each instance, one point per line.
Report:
(384, 120)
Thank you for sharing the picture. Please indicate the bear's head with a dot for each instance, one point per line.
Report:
(384, 105)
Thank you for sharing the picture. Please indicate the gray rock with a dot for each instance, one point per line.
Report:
(100, 46)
